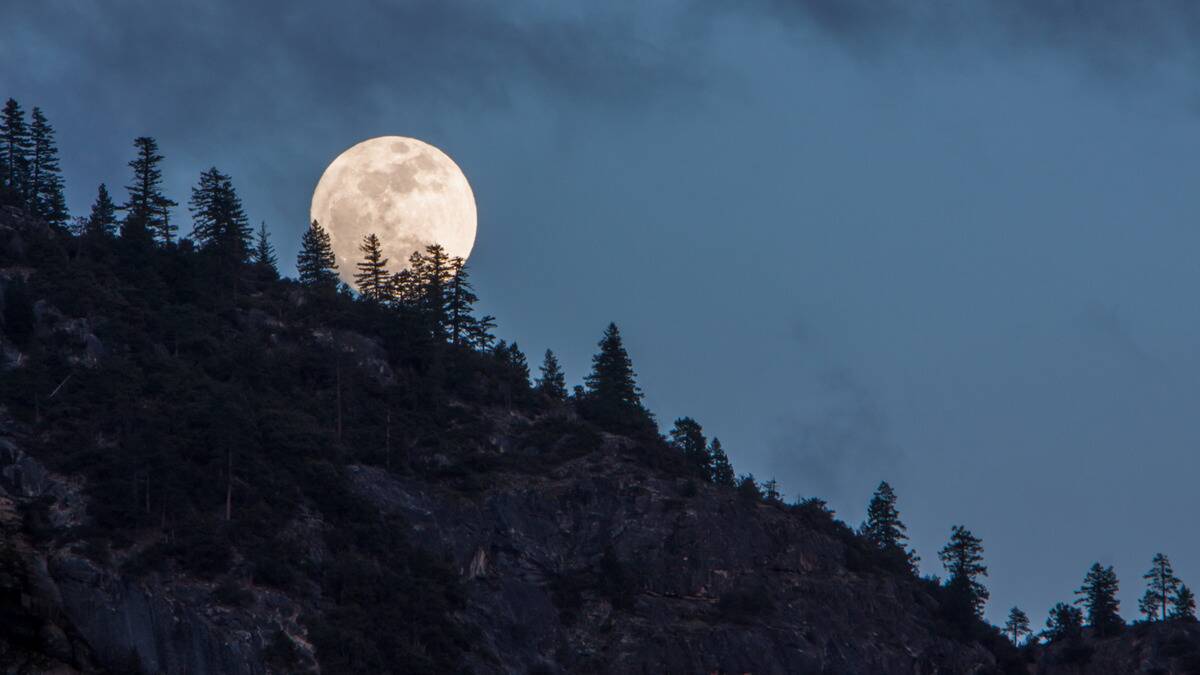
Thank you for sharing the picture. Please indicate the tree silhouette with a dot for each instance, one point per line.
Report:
(1017, 625)
(1161, 585)
(15, 147)
(1183, 604)
(883, 527)
(460, 302)
(613, 396)
(963, 560)
(372, 277)
(102, 222)
(263, 255)
(316, 265)
(146, 207)
(1063, 623)
(432, 274)
(219, 223)
(722, 470)
(45, 178)
(688, 438)
(552, 384)
(1098, 595)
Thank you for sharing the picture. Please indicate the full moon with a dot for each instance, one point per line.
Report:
(407, 192)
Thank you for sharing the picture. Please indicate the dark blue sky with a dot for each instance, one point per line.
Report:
(953, 245)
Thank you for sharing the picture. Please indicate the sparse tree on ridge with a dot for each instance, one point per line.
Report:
(1098, 595)
(15, 147)
(1161, 585)
(552, 384)
(102, 222)
(432, 273)
(963, 560)
(883, 526)
(45, 178)
(1017, 625)
(722, 469)
(460, 302)
(1063, 623)
(1183, 604)
(219, 223)
(688, 438)
(771, 493)
(263, 255)
(316, 265)
(146, 208)
(372, 278)
(612, 395)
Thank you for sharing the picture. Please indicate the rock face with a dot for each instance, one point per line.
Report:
(719, 585)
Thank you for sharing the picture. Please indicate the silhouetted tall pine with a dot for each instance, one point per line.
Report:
(219, 223)
(1098, 595)
(1161, 585)
(1183, 604)
(460, 302)
(688, 438)
(722, 469)
(15, 148)
(1017, 625)
(45, 177)
(963, 560)
(1063, 623)
(263, 255)
(102, 222)
(613, 397)
(552, 384)
(315, 264)
(432, 275)
(884, 528)
(372, 278)
(146, 209)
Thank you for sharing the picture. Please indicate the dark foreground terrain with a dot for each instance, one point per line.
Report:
(200, 475)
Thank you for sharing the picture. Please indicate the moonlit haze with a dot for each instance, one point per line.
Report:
(405, 191)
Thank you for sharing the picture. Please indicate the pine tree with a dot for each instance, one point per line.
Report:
(372, 278)
(688, 438)
(15, 146)
(748, 490)
(1183, 604)
(1017, 625)
(722, 470)
(963, 560)
(1063, 623)
(103, 219)
(45, 177)
(771, 493)
(1161, 585)
(460, 301)
(146, 209)
(552, 384)
(432, 275)
(612, 392)
(1099, 598)
(219, 223)
(316, 264)
(264, 253)
(883, 527)
(404, 288)
(481, 332)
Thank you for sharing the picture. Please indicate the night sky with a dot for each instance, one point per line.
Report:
(951, 245)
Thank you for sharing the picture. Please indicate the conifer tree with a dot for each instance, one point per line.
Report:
(1161, 585)
(219, 223)
(963, 560)
(460, 301)
(688, 438)
(372, 278)
(45, 177)
(1063, 623)
(432, 275)
(883, 527)
(722, 470)
(102, 222)
(1183, 604)
(481, 332)
(552, 384)
(748, 490)
(1099, 599)
(264, 253)
(771, 493)
(1017, 625)
(612, 392)
(404, 288)
(15, 147)
(316, 265)
(146, 208)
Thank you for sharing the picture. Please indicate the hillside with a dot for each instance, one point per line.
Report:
(199, 476)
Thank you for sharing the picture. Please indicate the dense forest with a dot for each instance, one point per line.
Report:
(210, 400)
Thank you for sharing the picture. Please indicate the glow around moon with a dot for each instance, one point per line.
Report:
(409, 193)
